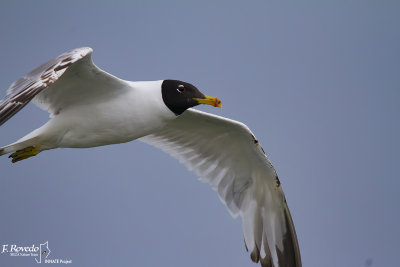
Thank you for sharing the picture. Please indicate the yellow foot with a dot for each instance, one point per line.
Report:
(25, 153)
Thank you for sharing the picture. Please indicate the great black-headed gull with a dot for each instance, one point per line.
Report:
(89, 107)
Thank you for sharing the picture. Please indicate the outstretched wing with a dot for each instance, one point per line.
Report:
(68, 79)
(226, 154)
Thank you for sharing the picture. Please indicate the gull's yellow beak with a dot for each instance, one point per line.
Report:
(209, 100)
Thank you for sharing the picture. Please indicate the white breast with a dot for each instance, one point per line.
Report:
(133, 114)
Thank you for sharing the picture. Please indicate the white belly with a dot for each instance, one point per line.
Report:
(122, 119)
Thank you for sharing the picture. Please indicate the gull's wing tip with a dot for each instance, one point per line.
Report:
(23, 90)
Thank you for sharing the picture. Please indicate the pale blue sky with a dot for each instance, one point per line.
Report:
(318, 82)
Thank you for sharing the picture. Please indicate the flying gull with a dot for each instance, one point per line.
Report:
(89, 107)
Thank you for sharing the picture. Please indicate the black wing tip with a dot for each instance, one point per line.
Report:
(255, 256)
(22, 91)
(289, 256)
(291, 251)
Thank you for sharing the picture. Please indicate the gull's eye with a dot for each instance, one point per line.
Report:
(181, 89)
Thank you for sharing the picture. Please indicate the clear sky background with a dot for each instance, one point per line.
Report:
(318, 82)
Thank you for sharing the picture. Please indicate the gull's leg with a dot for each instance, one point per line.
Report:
(24, 153)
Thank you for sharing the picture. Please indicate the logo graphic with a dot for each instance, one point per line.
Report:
(44, 251)
(41, 253)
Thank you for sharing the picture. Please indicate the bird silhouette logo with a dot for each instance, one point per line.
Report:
(44, 251)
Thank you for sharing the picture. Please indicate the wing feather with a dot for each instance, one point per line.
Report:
(22, 91)
(226, 154)
(67, 80)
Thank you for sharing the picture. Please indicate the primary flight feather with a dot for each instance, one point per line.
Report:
(89, 107)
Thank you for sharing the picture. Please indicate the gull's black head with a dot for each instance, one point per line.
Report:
(178, 96)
